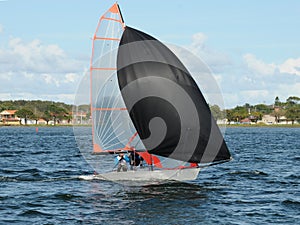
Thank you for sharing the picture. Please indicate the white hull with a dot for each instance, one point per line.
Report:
(147, 176)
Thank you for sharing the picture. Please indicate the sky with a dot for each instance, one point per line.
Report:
(251, 47)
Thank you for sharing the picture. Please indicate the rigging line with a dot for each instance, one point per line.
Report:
(119, 101)
(119, 143)
(106, 114)
(114, 141)
(116, 145)
(109, 129)
(138, 141)
(117, 135)
(106, 32)
(215, 163)
(99, 113)
(105, 138)
(110, 47)
(113, 106)
(118, 114)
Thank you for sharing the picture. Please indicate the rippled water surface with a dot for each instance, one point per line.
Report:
(39, 183)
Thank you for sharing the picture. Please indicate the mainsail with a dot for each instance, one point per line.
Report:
(165, 104)
(103, 64)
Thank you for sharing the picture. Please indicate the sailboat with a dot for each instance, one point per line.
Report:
(144, 101)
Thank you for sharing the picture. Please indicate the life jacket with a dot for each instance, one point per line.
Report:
(122, 160)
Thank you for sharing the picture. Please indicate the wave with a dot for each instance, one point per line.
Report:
(32, 212)
(33, 179)
(291, 203)
(247, 173)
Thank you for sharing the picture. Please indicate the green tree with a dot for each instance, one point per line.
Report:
(293, 113)
(217, 112)
(277, 101)
(292, 109)
(57, 113)
(47, 116)
(25, 114)
(292, 100)
(262, 108)
(229, 115)
(240, 112)
(278, 113)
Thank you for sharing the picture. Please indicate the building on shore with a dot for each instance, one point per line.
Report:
(8, 117)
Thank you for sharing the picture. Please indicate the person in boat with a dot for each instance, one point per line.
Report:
(135, 160)
(122, 162)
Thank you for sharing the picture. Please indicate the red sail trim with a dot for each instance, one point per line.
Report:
(131, 139)
(109, 39)
(106, 18)
(151, 159)
(114, 8)
(97, 148)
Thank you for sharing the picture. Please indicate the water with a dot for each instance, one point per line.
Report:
(39, 184)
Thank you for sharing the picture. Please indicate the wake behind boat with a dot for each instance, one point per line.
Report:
(144, 101)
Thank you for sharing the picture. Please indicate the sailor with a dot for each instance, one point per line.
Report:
(135, 160)
(122, 162)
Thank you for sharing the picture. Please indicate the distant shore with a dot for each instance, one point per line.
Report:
(220, 125)
(261, 125)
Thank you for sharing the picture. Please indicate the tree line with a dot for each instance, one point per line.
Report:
(58, 111)
(290, 109)
(37, 109)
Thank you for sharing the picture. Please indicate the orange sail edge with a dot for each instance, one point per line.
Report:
(97, 148)
(114, 8)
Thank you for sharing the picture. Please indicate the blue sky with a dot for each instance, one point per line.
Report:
(252, 47)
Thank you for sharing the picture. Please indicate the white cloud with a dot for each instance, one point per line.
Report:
(33, 69)
(28, 75)
(37, 57)
(289, 89)
(198, 41)
(49, 79)
(216, 60)
(6, 76)
(71, 78)
(258, 65)
(248, 79)
(291, 66)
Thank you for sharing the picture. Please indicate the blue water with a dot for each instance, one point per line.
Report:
(39, 183)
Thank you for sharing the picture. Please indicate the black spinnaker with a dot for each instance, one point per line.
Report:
(165, 104)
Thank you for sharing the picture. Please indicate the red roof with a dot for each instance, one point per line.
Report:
(246, 120)
(8, 112)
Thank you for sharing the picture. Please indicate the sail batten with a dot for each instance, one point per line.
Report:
(107, 38)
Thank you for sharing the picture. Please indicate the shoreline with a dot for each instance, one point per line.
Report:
(262, 125)
(220, 125)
